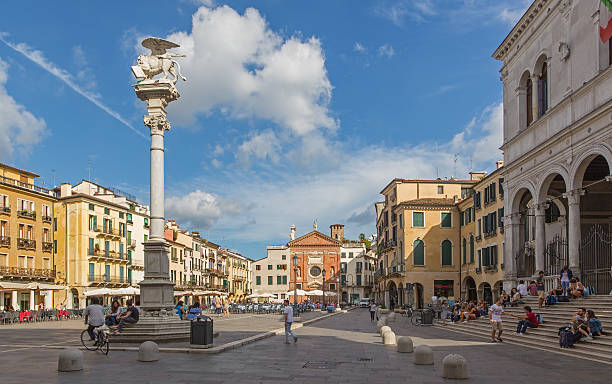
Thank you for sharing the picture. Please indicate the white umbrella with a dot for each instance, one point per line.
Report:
(300, 292)
(98, 292)
(316, 292)
(253, 296)
(268, 295)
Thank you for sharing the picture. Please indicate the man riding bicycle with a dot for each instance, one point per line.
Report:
(94, 316)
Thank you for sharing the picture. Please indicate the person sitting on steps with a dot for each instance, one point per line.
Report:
(594, 324)
(129, 316)
(580, 325)
(528, 320)
(576, 289)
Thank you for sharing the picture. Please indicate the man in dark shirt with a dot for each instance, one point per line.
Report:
(540, 288)
(130, 316)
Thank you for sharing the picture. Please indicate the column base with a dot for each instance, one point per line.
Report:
(160, 327)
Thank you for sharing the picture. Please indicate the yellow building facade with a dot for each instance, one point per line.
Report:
(27, 257)
(440, 238)
(91, 245)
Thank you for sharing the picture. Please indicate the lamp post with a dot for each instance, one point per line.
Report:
(295, 268)
(323, 306)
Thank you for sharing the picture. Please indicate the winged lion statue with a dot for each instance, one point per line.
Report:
(160, 61)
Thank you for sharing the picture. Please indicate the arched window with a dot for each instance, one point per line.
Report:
(543, 90)
(471, 249)
(418, 252)
(529, 101)
(463, 251)
(447, 253)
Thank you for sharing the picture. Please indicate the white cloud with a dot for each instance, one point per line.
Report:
(386, 50)
(398, 11)
(20, 130)
(84, 74)
(264, 145)
(346, 189)
(237, 65)
(202, 210)
(38, 58)
(216, 163)
(511, 15)
(218, 151)
(359, 47)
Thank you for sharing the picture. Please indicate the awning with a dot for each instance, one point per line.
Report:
(11, 285)
(98, 292)
(47, 287)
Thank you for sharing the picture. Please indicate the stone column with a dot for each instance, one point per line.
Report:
(157, 291)
(32, 303)
(512, 224)
(573, 231)
(540, 236)
(535, 99)
(14, 301)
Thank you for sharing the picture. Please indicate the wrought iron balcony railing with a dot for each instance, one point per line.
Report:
(26, 244)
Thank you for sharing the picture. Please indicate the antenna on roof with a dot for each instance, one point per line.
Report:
(471, 164)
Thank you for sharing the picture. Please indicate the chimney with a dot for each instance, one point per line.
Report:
(66, 190)
(337, 232)
(292, 235)
(499, 163)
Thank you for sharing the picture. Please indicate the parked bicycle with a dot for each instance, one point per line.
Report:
(100, 342)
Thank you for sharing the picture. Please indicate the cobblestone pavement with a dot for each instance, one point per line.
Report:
(67, 332)
(341, 349)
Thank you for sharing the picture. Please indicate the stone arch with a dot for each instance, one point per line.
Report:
(545, 182)
(582, 162)
(485, 292)
(525, 100)
(517, 194)
(471, 293)
(537, 65)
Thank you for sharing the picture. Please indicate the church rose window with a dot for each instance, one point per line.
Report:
(315, 271)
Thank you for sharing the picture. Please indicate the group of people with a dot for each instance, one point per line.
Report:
(183, 310)
(527, 319)
(586, 325)
(568, 286)
(95, 317)
(462, 312)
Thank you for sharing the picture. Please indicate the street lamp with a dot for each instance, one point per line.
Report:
(295, 268)
(323, 306)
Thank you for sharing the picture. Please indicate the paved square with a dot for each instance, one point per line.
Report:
(341, 349)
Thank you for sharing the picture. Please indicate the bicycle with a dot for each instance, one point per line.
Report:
(100, 342)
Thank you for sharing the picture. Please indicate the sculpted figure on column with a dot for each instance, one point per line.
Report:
(148, 66)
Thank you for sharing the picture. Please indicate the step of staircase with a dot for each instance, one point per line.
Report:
(546, 336)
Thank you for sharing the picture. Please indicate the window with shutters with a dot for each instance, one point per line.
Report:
(471, 249)
(270, 281)
(528, 100)
(446, 220)
(92, 267)
(284, 279)
(543, 90)
(461, 219)
(500, 217)
(401, 220)
(258, 280)
(464, 250)
(279, 280)
(418, 252)
(447, 253)
(418, 219)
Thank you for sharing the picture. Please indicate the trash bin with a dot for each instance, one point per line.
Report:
(201, 332)
(428, 317)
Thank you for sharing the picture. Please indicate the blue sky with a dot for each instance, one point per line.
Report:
(293, 111)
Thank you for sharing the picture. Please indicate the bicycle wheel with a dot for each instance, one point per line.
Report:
(87, 342)
(417, 319)
(105, 345)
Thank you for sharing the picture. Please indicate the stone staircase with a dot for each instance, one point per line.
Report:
(545, 336)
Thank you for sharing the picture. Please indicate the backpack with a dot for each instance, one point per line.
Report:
(550, 300)
(566, 337)
(563, 299)
(540, 318)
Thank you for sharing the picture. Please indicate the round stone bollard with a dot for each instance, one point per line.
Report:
(423, 355)
(454, 367)
(404, 344)
(384, 329)
(389, 338)
(148, 351)
(70, 360)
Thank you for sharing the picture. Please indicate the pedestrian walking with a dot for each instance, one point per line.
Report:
(372, 310)
(288, 313)
(495, 317)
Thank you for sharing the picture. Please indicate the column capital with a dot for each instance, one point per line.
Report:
(157, 122)
(513, 218)
(540, 208)
(573, 196)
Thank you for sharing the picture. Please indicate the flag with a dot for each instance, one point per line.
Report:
(606, 33)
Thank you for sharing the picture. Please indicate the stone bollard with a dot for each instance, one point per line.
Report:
(384, 329)
(389, 338)
(148, 351)
(70, 360)
(404, 344)
(423, 355)
(454, 367)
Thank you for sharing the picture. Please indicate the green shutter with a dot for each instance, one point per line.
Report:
(417, 219)
(464, 251)
(418, 252)
(279, 280)
(91, 271)
(447, 253)
(471, 249)
(270, 281)
(446, 220)
(258, 280)
(284, 279)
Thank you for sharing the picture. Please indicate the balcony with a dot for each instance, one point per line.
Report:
(31, 187)
(110, 232)
(5, 210)
(27, 214)
(26, 244)
(15, 272)
(47, 247)
(47, 219)
(5, 241)
(106, 255)
(107, 280)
